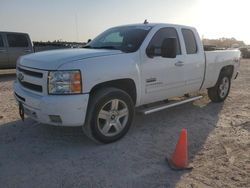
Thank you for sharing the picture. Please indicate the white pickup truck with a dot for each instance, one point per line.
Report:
(100, 86)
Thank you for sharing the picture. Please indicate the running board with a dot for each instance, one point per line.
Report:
(171, 104)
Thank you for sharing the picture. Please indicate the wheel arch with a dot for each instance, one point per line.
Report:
(228, 70)
(127, 85)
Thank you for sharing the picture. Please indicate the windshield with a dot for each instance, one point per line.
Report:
(127, 38)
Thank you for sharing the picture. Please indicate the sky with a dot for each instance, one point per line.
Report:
(80, 20)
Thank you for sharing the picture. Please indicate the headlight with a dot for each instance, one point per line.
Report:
(64, 82)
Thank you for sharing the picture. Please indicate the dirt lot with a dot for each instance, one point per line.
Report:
(36, 155)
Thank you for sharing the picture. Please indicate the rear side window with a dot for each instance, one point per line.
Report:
(1, 41)
(162, 34)
(17, 40)
(190, 42)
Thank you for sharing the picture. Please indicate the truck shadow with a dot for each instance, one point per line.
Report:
(66, 157)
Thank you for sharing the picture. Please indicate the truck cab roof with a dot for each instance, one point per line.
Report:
(159, 25)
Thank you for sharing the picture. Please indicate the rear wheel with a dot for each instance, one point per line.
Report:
(110, 115)
(220, 91)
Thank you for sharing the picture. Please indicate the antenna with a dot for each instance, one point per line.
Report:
(145, 21)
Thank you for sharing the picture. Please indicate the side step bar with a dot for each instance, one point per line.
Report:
(172, 104)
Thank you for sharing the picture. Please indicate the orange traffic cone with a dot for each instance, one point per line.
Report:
(179, 159)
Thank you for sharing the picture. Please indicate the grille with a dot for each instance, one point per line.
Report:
(31, 73)
(31, 86)
(31, 79)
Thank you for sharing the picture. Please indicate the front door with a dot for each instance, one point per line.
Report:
(162, 78)
(3, 53)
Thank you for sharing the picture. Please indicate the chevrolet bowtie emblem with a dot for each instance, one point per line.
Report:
(20, 77)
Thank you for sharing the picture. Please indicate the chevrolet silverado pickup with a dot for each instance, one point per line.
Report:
(126, 68)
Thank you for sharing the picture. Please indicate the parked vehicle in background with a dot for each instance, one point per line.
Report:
(44, 46)
(245, 52)
(118, 72)
(12, 46)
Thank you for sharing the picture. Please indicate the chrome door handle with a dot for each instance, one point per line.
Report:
(179, 64)
(27, 50)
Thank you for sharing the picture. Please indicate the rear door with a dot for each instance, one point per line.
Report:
(3, 53)
(18, 45)
(194, 60)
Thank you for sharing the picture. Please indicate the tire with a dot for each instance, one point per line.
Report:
(220, 91)
(110, 115)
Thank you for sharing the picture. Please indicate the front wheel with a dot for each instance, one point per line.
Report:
(110, 115)
(220, 91)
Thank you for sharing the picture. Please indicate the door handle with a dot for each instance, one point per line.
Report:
(179, 64)
(27, 50)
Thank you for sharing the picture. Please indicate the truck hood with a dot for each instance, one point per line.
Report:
(52, 60)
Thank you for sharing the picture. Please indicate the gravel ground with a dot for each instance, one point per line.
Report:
(37, 155)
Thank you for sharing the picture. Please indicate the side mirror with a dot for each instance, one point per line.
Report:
(151, 51)
(89, 41)
(169, 48)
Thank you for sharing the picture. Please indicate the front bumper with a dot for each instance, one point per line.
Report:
(71, 109)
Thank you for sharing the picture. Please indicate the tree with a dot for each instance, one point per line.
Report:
(223, 42)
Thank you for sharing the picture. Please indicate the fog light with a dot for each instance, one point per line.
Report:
(55, 119)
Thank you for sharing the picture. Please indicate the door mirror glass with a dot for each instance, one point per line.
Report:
(169, 48)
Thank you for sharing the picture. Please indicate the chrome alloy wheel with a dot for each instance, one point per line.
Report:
(224, 87)
(112, 117)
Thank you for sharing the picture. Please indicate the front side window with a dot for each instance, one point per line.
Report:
(160, 36)
(190, 42)
(126, 38)
(1, 41)
(17, 40)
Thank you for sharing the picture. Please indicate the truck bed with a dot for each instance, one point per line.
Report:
(215, 60)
